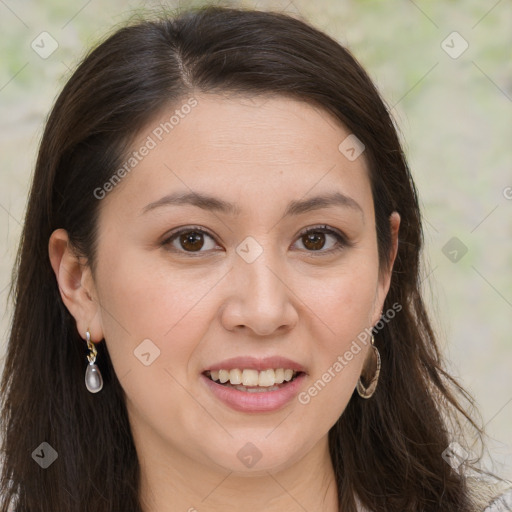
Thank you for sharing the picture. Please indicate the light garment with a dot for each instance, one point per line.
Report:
(489, 495)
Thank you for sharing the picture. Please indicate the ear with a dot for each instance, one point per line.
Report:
(76, 285)
(385, 274)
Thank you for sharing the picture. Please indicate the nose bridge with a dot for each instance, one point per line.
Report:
(262, 295)
(260, 266)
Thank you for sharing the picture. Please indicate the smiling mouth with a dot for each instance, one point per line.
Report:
(253, 381)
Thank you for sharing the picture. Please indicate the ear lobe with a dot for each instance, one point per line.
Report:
(72, 275)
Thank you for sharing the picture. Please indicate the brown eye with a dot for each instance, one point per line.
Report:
(313, 240)
(190, 241)
(323, 239)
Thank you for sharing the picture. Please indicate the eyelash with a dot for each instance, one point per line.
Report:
(341, 240)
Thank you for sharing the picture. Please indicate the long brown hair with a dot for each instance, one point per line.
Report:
(387, 450)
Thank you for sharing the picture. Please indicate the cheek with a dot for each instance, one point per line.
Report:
(149, 308)
(344, 306)
(152, 321)
(344, 300)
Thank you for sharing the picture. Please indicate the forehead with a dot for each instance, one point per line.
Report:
(241, 147)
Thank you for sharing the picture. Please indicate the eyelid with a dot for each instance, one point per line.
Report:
(185, 229)
(324, 228)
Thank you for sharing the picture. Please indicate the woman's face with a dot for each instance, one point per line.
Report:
(243, 280)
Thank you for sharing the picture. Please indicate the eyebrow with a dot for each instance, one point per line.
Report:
(295, 207)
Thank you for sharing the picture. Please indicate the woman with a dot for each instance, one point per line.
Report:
(217, 292)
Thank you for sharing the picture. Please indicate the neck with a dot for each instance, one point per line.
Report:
(175, 483)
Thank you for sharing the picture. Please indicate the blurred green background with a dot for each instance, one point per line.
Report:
(451, 95)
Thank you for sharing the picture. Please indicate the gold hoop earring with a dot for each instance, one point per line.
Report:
(368, 390)
(93, 378)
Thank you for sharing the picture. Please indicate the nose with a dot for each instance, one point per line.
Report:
(260, 298)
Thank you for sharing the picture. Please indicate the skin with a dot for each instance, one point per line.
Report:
(293, 301)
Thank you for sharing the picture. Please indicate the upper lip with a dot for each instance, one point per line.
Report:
(256, 363)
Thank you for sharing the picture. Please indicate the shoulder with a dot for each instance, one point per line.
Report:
(490, 495)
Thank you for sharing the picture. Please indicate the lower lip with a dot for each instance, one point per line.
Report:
(255, 402)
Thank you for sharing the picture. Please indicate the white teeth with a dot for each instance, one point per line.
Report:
(235, 376)
(266, 378)
(288, 374)
(257, 389)
(223, 376)
(279, 376)
(249, 377)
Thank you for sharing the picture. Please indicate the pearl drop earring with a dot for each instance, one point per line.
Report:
(93, 378)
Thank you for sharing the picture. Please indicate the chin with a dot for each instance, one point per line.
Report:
(257, 458)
